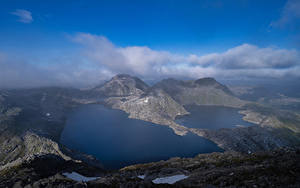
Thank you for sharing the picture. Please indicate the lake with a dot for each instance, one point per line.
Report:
(118, 141)
(211, 117)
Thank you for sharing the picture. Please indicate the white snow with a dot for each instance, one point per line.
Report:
(48, 114)
(141, 176)
(78, 177)
(146, 100)
(169, 179)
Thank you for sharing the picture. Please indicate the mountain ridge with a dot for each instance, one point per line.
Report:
(203, 91)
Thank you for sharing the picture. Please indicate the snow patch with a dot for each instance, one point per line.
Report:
(48, 114)
(78, 177)
(141, 176)
(169, 179)
(146, 100)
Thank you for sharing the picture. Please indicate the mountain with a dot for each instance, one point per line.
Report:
(140, 101)
(32, 120)
(122, 85)
(155, 106)
(204, 91)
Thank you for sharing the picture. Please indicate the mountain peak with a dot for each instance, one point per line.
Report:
(122, 76)
(209, 81)
(204, 91)
(123, 85)
(206, 81)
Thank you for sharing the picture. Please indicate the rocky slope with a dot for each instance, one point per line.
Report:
(278, 168)
(154, 106)
(43, 171)
(248, 139)
(16, 149)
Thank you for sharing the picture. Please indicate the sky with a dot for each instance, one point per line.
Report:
(82, 42)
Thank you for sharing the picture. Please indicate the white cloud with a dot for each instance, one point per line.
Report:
(290, 13)
(249, 56)
(20, 72)
(24, 15)
(132, 59)
(243, 61)
(99, 59)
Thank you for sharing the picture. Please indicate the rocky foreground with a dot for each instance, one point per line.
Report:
(278, 168)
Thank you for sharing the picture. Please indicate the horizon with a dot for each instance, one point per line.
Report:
(84, 43)
(253, 83)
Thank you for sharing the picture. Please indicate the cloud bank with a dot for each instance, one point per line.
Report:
(22, 73)
(24, 15)
(99, 59)
(242, 61)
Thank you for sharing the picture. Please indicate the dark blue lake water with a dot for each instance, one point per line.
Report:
(118, 141)
(212, 117)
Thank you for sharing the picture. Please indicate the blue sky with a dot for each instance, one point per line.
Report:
(67, 34)
(170, 25)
